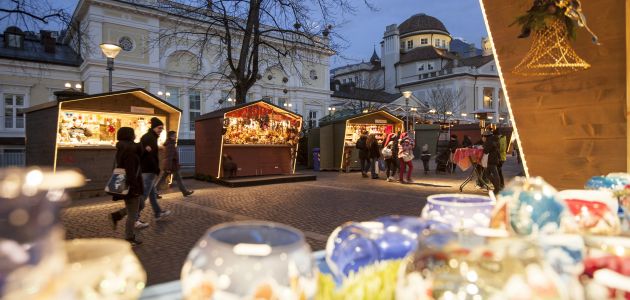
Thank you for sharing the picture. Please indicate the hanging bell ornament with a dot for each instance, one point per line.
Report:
(551, 53)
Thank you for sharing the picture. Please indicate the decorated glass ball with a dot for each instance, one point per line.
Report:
(462, 211)
(532, 206)
(249, 260)
(355, 245)
(450, 265)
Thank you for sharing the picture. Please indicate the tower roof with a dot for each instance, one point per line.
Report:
(421, 22)
(375, 59)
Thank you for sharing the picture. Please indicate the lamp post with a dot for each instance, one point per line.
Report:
(110, 51)
(413, 117)
(331, 110)
(407, 95)
(230, 101)
(448, 119)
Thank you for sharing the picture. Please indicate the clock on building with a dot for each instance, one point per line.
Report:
(125, 43)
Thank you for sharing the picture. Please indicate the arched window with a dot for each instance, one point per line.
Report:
(14, 38)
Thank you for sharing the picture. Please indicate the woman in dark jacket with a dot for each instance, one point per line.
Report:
(452, 146)
(374, 153)
(171, 165)
(491, 148)
(128, 158)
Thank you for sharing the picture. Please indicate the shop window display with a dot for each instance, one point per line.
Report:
(353, 132)
(259, 125)
(77, 128)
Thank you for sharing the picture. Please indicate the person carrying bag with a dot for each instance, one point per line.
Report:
(126, 182)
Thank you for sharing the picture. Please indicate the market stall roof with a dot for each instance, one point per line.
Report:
(140, 94)
(219, 113)
(343, 118)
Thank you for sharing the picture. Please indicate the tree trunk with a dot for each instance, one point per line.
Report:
(241, 93)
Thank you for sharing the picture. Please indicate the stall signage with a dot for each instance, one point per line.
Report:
(380, 121)
(142, 110)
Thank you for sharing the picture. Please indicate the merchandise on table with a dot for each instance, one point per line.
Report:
(469, 266)
(260, 125)
(32, 256)
(249, 260)
(103, 269)
(354, 130)
(531, 207)
(80, 128)
(356, 245)
(461, 211)
(594, 211)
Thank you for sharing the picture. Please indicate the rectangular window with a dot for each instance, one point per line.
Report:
(437, 43)
(13, 111)
(173, 96)
(282, 102)
(267, 99)
(409, 44)
(312, 119)
(424, 41)
(194, 107)
(344, 81)
(250, 97)
(487, 98)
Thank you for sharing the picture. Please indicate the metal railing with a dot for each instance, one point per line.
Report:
(12, 160)
(186, 156)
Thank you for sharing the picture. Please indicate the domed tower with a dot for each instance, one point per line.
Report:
(420, 30)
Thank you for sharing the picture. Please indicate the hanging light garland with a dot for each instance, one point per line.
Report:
(553, 23)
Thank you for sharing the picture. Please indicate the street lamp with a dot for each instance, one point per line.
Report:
(230, 100)
(110, 51)
(288, 105)
(464, 114)
(407, 95)
(331, 110)
(413, 117)
(167, 94)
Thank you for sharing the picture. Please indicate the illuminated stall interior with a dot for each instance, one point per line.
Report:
(259, 138)
(571, 126)
(81, 132)
(338, 137)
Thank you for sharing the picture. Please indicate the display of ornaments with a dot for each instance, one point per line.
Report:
(355, 245)
(461, 211)
(249, 260)
(470, 266)
(593, 211)
(31, 237)
(103, 269)
(532, 206)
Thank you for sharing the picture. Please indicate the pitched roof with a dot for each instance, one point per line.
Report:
(220, 112)
(421, 22)
(350, 92)
(424, 53)
(475, 61)
(34, 51)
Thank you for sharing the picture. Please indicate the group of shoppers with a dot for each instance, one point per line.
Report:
(141, 162)
(396, 155)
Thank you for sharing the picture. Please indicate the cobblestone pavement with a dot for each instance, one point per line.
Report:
(315, 207)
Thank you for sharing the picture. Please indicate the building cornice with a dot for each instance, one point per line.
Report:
(447, 77)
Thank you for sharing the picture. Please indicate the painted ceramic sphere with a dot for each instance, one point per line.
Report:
(461, 211)
(468, 266)
(355, 245)
(533, 206)
(249, 260)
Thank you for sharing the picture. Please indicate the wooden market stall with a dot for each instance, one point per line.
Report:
(338, 137)
(571, 126)
(80, 132)
(259, 138)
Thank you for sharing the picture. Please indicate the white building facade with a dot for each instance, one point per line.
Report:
(174, 70)
(416, 57)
